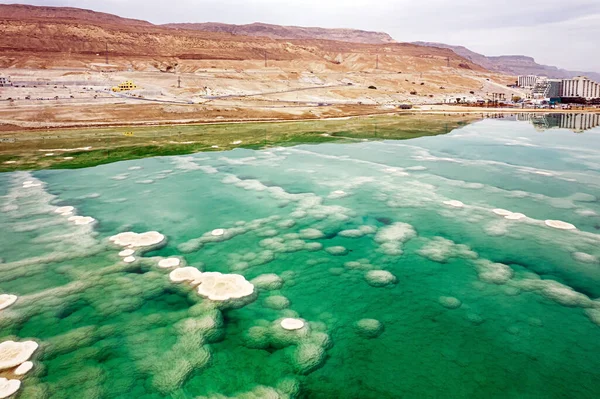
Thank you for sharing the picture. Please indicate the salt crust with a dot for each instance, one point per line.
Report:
(557, 224)
(8, 387)
(126, 252)
(81, 220)
(135, 240)
(24, 368)
(7, 300)
(379, 278)
(454, 203)
(64, 210)
(13, 353)
(221, 287)
(291, 324)
(390, 238)
(185, 274)
(450, 302)
(169, 262)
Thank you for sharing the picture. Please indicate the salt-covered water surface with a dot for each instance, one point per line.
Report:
(464, 265)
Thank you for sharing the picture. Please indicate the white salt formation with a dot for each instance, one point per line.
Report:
(81, 220)
(135, 240)
(337, 194)
(390, 238)
(129, 259)
(557, 224)
(126, 252)
(502, 212)
(515, 216)
(291, 324)
(7, 300)
(494, 273)
(379, 278)
(217, 232)
(450, 302)
(8, 387)
(441, 250)
(222, 287)
(13, 354)
(369, 328)
(186, 274)
(585, 258)
(24, 368)
(277, 302)
(554, 291)
(311, 234)
(454, 204)
(593, 315)
(65, 210)
(267, 282)
(337, 250)
(169, 262)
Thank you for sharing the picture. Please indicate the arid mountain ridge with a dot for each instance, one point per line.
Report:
(43, 37)
(513, 64)
(290, 32)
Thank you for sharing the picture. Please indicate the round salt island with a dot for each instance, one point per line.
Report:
(185, 274)
(168, 263)
(24, 368)
(380, 278)
(135, 240)
(222, 287)
(369, 328)
(454, 204)
(13, 354)
(126, 252)
(8, 387)
(217, 232)
(291, 324)
(515, 216)
(558, 224)
(450, 302)
(6, 300)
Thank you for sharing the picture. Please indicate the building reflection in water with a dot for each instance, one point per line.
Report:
(575, 122)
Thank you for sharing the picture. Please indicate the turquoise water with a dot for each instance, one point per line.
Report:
(473, 305)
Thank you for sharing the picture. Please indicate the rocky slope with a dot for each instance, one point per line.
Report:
(42, 37)
(512, 64)
(17, 12)
(290, 32)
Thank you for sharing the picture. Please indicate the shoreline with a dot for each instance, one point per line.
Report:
(432, 110)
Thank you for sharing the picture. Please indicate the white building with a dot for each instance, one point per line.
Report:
(528, 81)
(580, 87)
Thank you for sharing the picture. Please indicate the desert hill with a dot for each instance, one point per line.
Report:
(40, 37)
(17, 12)
(512, 64)
(290, 32)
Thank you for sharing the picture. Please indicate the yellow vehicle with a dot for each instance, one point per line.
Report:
(125, 86)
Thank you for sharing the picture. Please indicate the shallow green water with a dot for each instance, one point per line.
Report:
(528, 324)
